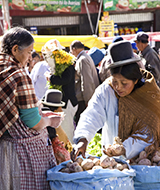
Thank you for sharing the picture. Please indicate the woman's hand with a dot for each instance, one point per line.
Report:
(114, 150)
(79, 148)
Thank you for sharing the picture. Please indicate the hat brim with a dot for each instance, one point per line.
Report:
(121, 63)
(53, 104)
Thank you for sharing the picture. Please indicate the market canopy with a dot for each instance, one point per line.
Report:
(153, 36)
(88, 40)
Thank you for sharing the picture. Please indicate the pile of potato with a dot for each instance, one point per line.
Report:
(91, 163)
(149, 156)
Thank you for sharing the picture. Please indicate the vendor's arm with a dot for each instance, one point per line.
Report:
(27, 105)
(92, 119)
(33, 119)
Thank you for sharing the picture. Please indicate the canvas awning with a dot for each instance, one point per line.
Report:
(88, 40)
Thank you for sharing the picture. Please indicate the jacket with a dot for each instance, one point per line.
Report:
(86, 77)
(67, 80)
(152, 63)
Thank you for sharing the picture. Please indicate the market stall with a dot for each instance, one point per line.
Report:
(88, 40)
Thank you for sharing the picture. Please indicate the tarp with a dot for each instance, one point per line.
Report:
(153, 36)
(147, 177)
(105, 179)
(88, 40)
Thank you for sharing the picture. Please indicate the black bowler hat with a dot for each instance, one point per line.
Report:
(53, 97)
(121, 54)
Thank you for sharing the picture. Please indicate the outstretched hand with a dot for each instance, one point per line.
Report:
(79, 148)
(114, 150)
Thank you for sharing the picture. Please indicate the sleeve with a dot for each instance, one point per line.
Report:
(94, 117)
(64, 79)
(134, 146)
(30, 116)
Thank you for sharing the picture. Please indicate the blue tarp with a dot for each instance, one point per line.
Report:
(147, 177)
(99, 179)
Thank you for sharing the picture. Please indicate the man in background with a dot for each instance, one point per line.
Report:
(86, 77)
(151, 60)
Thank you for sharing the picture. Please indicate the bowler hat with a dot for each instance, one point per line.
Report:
(121, 54)
(53, 97)
(141, 36)
(97, 54)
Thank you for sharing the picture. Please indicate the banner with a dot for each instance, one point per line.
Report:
(65, 6)
(106, 26)
(126, 5)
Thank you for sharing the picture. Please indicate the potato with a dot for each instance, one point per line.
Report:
(105, 161)
(97, 167)
(87, 164)
(125, 166)
(78, 169)
(91, 157)
(72, 166)
(145, 161)
(69, 163)
(113, 162)
(117, 149)
(65, 170)
(119, 166)
(142, 155)
(79, 160)
(156, 157)
(117, 140)
(96, 162)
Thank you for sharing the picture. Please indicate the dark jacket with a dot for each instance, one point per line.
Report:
(152, 63)
(67, 80)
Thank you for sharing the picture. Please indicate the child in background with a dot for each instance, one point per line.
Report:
(60, 142)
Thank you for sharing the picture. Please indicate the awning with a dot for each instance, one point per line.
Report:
(153, 36)
(87, 40)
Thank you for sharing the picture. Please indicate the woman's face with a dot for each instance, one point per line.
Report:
(23, 56)
(121, 85)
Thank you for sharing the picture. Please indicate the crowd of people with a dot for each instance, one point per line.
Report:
(57, 98)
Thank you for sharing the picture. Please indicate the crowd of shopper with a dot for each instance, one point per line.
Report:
(112, 89)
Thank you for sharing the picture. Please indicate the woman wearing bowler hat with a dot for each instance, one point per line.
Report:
(126, 105)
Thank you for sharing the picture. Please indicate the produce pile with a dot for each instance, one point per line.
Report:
(150, 156)
(92, 163)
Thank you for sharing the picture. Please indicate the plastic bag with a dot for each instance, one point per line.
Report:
(147, 177)
(99, 179)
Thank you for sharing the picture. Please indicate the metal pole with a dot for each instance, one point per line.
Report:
(6, 17)
(99, 14)
(89, 18)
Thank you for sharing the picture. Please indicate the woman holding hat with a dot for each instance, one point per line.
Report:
(25, 155)
(126, 105)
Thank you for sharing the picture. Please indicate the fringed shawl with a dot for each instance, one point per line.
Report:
(139, 112)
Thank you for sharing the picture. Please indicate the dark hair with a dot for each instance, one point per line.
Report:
(77, 45)
(16, 36)
(130, 72)
(35, 54)
(143, 41)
